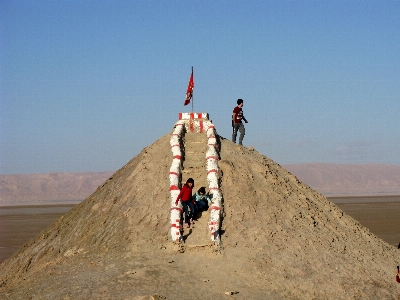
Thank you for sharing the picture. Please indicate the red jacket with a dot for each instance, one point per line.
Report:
(185, 194)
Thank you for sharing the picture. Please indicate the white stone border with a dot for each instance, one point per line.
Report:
(212, 155)
(174, 175)
(196, 125)
(191, 116)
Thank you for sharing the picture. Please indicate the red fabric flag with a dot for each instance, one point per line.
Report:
(189, 92)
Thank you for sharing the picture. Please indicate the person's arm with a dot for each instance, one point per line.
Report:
(180, 195)
(208, 197)
(194, 198)
(234, 114)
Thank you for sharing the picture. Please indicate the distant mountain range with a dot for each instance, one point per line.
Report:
(49, 188)
(334, 180)
(331, 180)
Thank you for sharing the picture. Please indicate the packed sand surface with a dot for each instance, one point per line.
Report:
(279, 240)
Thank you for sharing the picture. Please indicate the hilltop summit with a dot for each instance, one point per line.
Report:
(279, 239)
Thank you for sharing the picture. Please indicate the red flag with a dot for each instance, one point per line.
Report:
(189, 92)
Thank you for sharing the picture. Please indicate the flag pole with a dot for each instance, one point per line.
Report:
(192, 94)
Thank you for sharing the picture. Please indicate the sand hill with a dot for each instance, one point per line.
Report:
(279, 240)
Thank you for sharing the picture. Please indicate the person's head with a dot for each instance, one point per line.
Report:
(240, 102)
(202, 190)
(190, 182)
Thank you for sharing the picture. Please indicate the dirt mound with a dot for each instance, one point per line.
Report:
(279, 239)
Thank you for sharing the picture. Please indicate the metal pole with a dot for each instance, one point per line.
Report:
(192, 90)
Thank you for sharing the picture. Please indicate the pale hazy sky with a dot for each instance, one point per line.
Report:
(86, 85)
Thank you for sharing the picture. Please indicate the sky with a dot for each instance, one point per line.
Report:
(86, 85)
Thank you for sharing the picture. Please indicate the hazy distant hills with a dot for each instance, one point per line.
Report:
(328, 179)
(49, 188)
(349, 180)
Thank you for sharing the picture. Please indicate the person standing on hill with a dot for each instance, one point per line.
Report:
(237, 124)
(187, 202)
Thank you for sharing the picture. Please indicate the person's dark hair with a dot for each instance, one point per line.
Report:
(202, 190)
(190, 180)
(239, 101)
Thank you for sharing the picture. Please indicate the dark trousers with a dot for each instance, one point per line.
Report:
(186, 205)
(238, 127)
(201, 205)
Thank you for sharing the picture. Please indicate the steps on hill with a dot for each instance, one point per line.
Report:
(197, 235)
(194, 166)
(195, 154)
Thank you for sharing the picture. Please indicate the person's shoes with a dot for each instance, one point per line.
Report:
(187, 225)
(191, 221)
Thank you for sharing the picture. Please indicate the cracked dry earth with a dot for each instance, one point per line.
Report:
(280, 240)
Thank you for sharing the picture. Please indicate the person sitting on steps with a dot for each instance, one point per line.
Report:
(397, 275)
(187, 202)
(201, 199)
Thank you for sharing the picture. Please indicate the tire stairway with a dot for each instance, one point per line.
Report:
(195, 155)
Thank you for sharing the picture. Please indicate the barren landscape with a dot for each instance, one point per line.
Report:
(331, 180)
(51, 188)
(280, 239)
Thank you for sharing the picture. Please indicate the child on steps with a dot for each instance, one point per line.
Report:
(201, 199)
(187, 202)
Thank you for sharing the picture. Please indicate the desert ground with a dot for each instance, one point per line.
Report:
(280, 239)
(19, 224)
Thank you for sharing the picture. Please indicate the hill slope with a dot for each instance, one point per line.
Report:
(280, 240)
